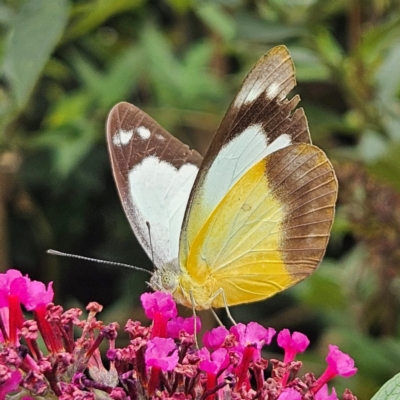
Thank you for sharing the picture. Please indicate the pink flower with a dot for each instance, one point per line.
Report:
(37, 294)
(161, 353)
(252, 335)
(215, 338)
(178, 324)
(339, 363)
(215, 362)
(9, 381)
(292, 344)
(159, 302)
(290, 394)
(251, 339)
(12, 283)
(323, 394)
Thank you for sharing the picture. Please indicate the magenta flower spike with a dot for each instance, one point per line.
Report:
(178, 324)
(159, 361)
(37, 298)
(251, 339)
(292, 344)
(161, 355)
(160, 307)
(339, 363)
(215, 338)
(13, 288)
(213, 364)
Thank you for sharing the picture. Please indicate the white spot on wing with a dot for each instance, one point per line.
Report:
(272, 90)
(237, 157)
(160, 193)
(247, 96)
(122, 138)
(160, 137)
(143, 132)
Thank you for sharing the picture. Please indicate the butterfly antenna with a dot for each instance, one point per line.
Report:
(151, 244)
(59, 253)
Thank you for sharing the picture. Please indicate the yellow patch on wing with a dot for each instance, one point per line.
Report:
(237, 249)
(269, 231)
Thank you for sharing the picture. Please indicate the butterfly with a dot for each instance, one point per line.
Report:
(251, 218)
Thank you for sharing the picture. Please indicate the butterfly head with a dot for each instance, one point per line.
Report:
(164, 279)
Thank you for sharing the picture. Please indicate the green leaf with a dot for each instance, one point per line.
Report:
(327, 47)
(35, 32)
(390, 390)
(163, 69)
(91, 14)
(254, 28)
(217, 20)
(309, 67)
(113, 85)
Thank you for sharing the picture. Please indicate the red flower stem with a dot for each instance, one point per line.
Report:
(52, 342)
(242, 369)
(34, 348)
(15, 318)
(159, 328)
(324, 378)
(154, 381)
(211, 384)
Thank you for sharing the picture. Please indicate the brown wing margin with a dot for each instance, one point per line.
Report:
(304, 181)
(274, 113)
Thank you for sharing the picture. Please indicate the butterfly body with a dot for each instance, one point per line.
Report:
(249, 220)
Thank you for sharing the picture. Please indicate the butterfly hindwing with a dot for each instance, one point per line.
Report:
(154, 173)
(269, 231)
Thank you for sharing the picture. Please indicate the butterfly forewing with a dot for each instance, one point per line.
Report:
(154, 173)
(259, 122)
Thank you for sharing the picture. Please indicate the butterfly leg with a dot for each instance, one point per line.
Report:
(216, 317)
(222, 293)
(194, 318)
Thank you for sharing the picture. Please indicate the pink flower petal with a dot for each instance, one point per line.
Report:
(290, 394)
(292, 343)
(341, 363)
(215, 338)
(215, 362)
(323, 394)
(161, 353)
(252, 335)
(178, 324)
(37, 294)
(159, 302)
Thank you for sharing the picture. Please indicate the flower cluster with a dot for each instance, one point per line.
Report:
(161, 361)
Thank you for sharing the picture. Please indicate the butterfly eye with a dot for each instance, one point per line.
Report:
(168, 281)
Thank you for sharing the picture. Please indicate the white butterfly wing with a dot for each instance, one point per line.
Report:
(154, 173)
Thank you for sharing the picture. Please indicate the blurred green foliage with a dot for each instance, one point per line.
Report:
(65, 63)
